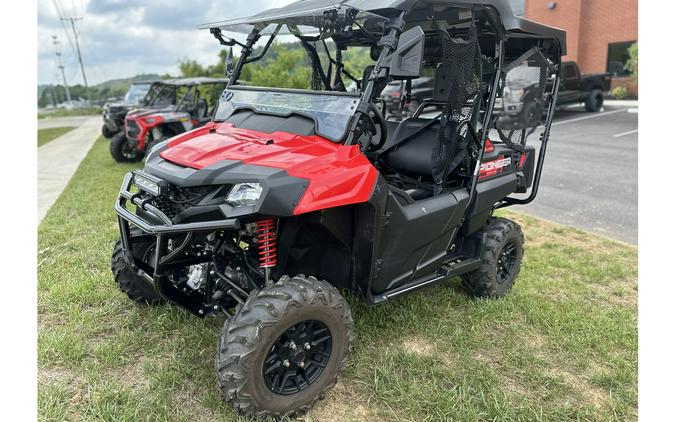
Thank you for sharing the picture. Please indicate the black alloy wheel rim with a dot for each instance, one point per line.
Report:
(506, 263)
(129, 151)
(298, 357)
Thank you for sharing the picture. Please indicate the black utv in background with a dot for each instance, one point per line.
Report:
(577, 88)
(114, 113)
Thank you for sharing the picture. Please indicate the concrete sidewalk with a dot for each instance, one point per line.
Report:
(53, 122)
(59, 159)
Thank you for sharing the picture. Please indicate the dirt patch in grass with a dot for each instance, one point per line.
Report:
(132, 375)
(418, 346)
(342, 404)
(581, 384)
(197, 411)
(47, 375)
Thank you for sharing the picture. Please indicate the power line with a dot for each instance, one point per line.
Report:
(76, 47)
(59, 61)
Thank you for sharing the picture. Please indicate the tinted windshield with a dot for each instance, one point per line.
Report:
(136, 93)
(330, 112)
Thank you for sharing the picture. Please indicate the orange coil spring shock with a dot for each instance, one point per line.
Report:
(267, 243)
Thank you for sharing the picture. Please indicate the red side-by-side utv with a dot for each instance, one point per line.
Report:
(289, 196)
(171, 107)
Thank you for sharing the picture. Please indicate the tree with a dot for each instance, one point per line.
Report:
(288, 70)
(633, 60)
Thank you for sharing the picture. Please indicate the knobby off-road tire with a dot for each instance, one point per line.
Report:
(128, 281)
(505, 242)
(107, 133)
(246, 345)
(595, 101)
(122, 152)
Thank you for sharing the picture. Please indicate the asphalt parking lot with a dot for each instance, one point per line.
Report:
(590, 178)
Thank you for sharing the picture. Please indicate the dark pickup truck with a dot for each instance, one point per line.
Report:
(576, 88)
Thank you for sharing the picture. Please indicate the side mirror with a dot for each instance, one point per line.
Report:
(406, 61)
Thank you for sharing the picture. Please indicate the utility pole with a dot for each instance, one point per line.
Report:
(59, 61)
(77, 46)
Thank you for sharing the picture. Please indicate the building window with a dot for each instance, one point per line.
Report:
(618, 57)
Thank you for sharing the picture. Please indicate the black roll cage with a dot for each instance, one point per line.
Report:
(388, 43)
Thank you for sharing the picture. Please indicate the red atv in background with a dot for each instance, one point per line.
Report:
(172, 107)
(290, 195)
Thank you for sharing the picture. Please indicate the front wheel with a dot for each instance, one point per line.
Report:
(107, 133)
(123, 151)
(502, 255)
(284, 348)
(128, 280)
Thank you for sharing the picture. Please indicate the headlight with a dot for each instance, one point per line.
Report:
(517, 94)
(150, 121)
(244, 194)
(150, 184)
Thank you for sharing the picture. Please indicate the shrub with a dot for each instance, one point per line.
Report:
(620, 92)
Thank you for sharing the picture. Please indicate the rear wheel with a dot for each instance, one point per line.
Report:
(107, 133)
(123, 151)
(126, 278)
(284, 348)
(595, 101)
(502, 255)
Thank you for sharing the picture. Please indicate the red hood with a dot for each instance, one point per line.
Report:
(279, 150)
(338, 174)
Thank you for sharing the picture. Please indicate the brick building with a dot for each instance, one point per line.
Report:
(599, 32)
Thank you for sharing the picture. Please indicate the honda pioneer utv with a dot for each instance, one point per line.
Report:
(172, 107)
(114, 113)
(290, 195)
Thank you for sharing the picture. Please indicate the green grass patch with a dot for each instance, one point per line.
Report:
(61, 112)
(561, 346)
(47, 135)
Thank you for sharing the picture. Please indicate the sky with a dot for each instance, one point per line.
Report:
(123, 38)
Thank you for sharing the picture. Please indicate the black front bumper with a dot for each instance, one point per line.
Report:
(168, 227)
(162, 231)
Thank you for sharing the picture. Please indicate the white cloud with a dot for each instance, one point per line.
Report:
(121, 38)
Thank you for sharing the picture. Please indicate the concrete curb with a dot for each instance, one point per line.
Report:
(59, 159)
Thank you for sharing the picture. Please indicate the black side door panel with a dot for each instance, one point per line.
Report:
(414, 238)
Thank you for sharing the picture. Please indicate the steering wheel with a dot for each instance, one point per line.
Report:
(380, 128)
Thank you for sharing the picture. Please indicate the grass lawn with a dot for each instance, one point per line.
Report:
(48, 135)
(562, 346)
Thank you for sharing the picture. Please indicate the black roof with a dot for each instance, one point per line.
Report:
(300, 10)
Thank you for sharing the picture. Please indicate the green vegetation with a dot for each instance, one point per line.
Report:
(620, 92)
(111, 89)
(48, 135)
(633, 61)
(61, 112)
(285, 65)
(562, 346)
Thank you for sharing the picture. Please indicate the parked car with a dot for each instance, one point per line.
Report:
(394, 93)
(114, 113)
(577, 88)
